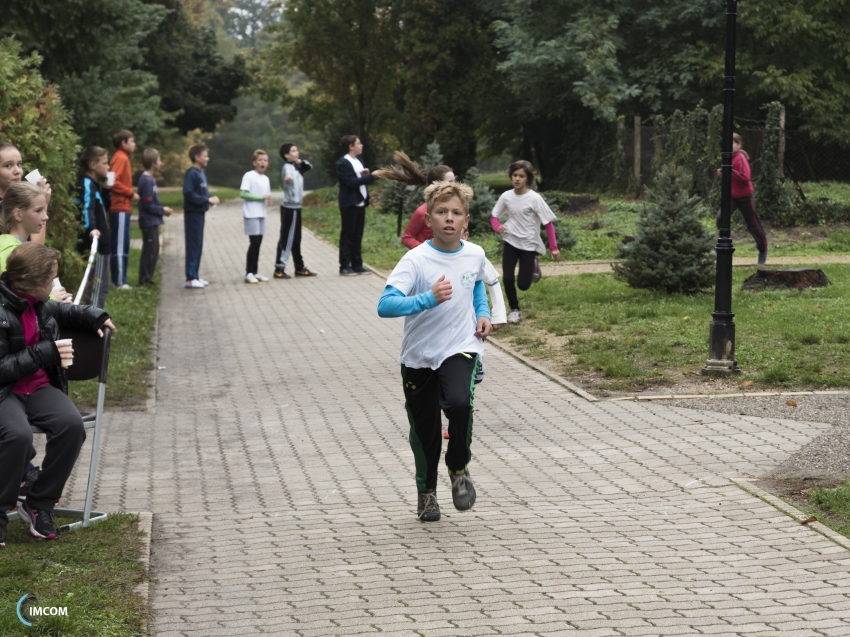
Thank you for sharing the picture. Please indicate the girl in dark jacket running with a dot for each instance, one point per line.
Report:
(33, 386)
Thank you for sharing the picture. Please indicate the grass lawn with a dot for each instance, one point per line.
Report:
(832, 507)
(133, 312)
(91, 571)
(608, 337)
(382, 247)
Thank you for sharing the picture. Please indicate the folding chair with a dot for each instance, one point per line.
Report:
(91, 360)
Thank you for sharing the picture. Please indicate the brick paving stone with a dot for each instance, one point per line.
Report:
(277, 465)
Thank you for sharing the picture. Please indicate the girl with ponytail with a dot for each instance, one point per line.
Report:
(408, 173)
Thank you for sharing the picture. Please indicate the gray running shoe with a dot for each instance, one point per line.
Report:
(463, 491)
(428, 509)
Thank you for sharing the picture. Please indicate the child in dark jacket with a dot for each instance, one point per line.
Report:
(151, 215)
(33, 386)
(196, 202)
(93, 202)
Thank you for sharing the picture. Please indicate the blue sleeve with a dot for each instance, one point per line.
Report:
(394, 303)
(88, 210)
(479, 300)
(191, 192)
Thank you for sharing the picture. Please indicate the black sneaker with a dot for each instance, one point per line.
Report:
(280, 274)
(305, 272)
(41, 522)
(347, 272)
(463, 491)
(428, 509)
(29, 479)
(359, 269)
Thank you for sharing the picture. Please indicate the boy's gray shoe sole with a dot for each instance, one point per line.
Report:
(428, 509)
(463, 491)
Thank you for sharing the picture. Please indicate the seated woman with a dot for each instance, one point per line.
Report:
(33, 386)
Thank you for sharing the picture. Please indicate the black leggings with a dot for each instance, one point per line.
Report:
(510, 255)
(253, 253)
(748, 211)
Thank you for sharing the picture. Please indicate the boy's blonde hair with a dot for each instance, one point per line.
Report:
(444, 190)
(149, 157)
(21, 195)
(259, 152)
(31, 265)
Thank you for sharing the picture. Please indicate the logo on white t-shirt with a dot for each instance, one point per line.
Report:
(467, 280)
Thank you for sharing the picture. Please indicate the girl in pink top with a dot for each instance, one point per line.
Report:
(410, 174)
(742, 196)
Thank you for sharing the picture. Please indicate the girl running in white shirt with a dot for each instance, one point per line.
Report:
(521, 232)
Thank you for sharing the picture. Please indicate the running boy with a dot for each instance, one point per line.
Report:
(151, 215)
(256, 194)
(93, 203)
(439, 287)
(121, 207)
(196, 202)
(521, 232)
(292, 176)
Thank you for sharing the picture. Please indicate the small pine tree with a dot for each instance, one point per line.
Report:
(482, 204)
(671, 247)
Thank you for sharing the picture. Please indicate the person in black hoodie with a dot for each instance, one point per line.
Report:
(93, 203)
(33, 385)
(353, 199)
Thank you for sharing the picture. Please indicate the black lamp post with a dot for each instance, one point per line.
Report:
(721, 333)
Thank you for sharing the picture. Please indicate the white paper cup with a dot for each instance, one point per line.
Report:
(66, 362)
(33, 177)
(110, 178)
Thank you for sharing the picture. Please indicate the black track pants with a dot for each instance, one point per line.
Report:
(510, 256)
(425, 390)
(353, 220)
(290, 239)
(253, 258)
(747, 207)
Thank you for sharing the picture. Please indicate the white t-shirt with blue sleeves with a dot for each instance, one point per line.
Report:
(432, 336)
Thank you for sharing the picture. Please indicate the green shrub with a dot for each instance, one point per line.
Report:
(33, 119)
(671, 247)
(482, 204)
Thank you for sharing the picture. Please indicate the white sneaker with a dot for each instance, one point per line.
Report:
(514, 316)
(204, 282)
(123, 287)
(250, 278)
(194, 285)
(260, 277)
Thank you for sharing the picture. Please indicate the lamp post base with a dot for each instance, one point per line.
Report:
(714, 367)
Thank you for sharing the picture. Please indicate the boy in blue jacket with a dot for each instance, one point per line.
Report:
(93, 202)
(196, 202)
(151, 215)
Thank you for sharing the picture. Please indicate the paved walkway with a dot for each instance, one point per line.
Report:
(277, 465)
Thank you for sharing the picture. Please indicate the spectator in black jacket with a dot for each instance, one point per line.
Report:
(33, 386)
(93, 202)
(353, 199)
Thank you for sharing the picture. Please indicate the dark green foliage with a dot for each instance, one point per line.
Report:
(445, 62)
(671, 247)
(770, 194)
(33, 118)
(196, 84)
(482, 204)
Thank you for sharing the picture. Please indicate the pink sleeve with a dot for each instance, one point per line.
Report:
(550, 232)
(494, 221)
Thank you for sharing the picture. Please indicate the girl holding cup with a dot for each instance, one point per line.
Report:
(23, 216)
(33, 386)
(12, 171)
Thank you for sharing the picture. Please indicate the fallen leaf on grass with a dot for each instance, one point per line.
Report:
(791, 403)
(809, 520)
(747, 383)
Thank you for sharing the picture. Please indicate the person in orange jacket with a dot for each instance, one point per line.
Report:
(122, 205)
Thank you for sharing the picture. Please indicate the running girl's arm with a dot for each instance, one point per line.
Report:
(550, 232)
(479, 300)
(740, 169)
(414, 227)
(498, 211)
(494, 222)
(394, 303)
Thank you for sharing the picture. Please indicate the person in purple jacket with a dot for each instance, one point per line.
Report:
(151, 215)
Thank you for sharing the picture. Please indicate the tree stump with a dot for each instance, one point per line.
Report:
(798, 279)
